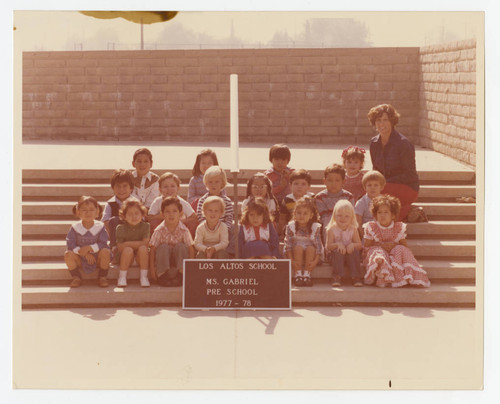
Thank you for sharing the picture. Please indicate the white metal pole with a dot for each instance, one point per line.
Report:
(234, 146)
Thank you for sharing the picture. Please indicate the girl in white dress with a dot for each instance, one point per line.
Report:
(344, 243)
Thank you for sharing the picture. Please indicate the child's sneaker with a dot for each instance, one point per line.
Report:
(298, 281)
(336, 281)
(75, 282)
(308, 281)
(103, 282)
(122, 282)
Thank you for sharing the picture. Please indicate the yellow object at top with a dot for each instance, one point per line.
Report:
(140, 17)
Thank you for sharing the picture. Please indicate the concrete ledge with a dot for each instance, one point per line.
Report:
(74, 190)
(419, 247)
(320, 293)
(56, 271)
(57, 210)
(51, 229)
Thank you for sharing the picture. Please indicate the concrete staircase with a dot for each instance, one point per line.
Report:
(445, 246)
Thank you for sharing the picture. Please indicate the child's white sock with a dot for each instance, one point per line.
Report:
(307, 274)
(122, 279)
(298, 273)
(143, 280)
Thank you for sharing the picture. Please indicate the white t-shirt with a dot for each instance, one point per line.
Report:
(155, 208)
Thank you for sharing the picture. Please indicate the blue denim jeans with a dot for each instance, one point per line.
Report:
(339, 260)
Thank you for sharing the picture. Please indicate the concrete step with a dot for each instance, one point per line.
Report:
(445, 193)
(57, 229)
(62, 210)
(51, 210)
(30, 176)
(452, 210)
(102, 192)
(89, 295)
(55, 272)
(420, 248)
(439, 228)
(74, 191)
(445, 294)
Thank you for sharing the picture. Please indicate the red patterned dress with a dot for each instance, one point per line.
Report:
(399, 267)
(354, 185)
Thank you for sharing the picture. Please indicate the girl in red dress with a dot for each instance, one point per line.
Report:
(388, 260)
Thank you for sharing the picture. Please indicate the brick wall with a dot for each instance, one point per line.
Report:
(286, 95)
(447, 120)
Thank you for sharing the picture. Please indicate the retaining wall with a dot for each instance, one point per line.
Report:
(286, 95)
(447, 97)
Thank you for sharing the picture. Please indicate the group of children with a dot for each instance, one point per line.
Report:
(347, 223)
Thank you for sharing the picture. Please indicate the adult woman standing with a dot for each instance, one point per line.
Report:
(394, 156)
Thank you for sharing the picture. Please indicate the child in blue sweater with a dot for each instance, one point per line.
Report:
(87, 243)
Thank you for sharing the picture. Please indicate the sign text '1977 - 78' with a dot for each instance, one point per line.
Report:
(236, 284)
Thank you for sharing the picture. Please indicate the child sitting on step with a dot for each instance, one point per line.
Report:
(132, 239)
(215, 180)
(388, 260)
(300, 182)
(257, 236)
(204, 160)
(122, 183)
(169, 186)
(145, 181)
(343, 242)
(303, 241)
(373, 183)
(259, 186)
(87, 243)
(211, 239)
(334, 179)
(279, 173)
(353, 159)
(171, 243)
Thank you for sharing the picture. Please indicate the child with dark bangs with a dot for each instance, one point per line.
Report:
(257, 237)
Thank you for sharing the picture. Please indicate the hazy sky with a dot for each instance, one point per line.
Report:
(66, 30)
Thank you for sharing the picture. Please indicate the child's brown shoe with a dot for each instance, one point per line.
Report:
(103, 282)
(336, 281)
(76, 282)
(357, 282)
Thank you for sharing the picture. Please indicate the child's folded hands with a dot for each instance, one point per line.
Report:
(90, 259)
(85, 250)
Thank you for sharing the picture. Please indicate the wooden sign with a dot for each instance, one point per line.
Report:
(237, 284)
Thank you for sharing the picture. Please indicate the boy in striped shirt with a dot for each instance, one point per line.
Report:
(334, 178)
(215, 180)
